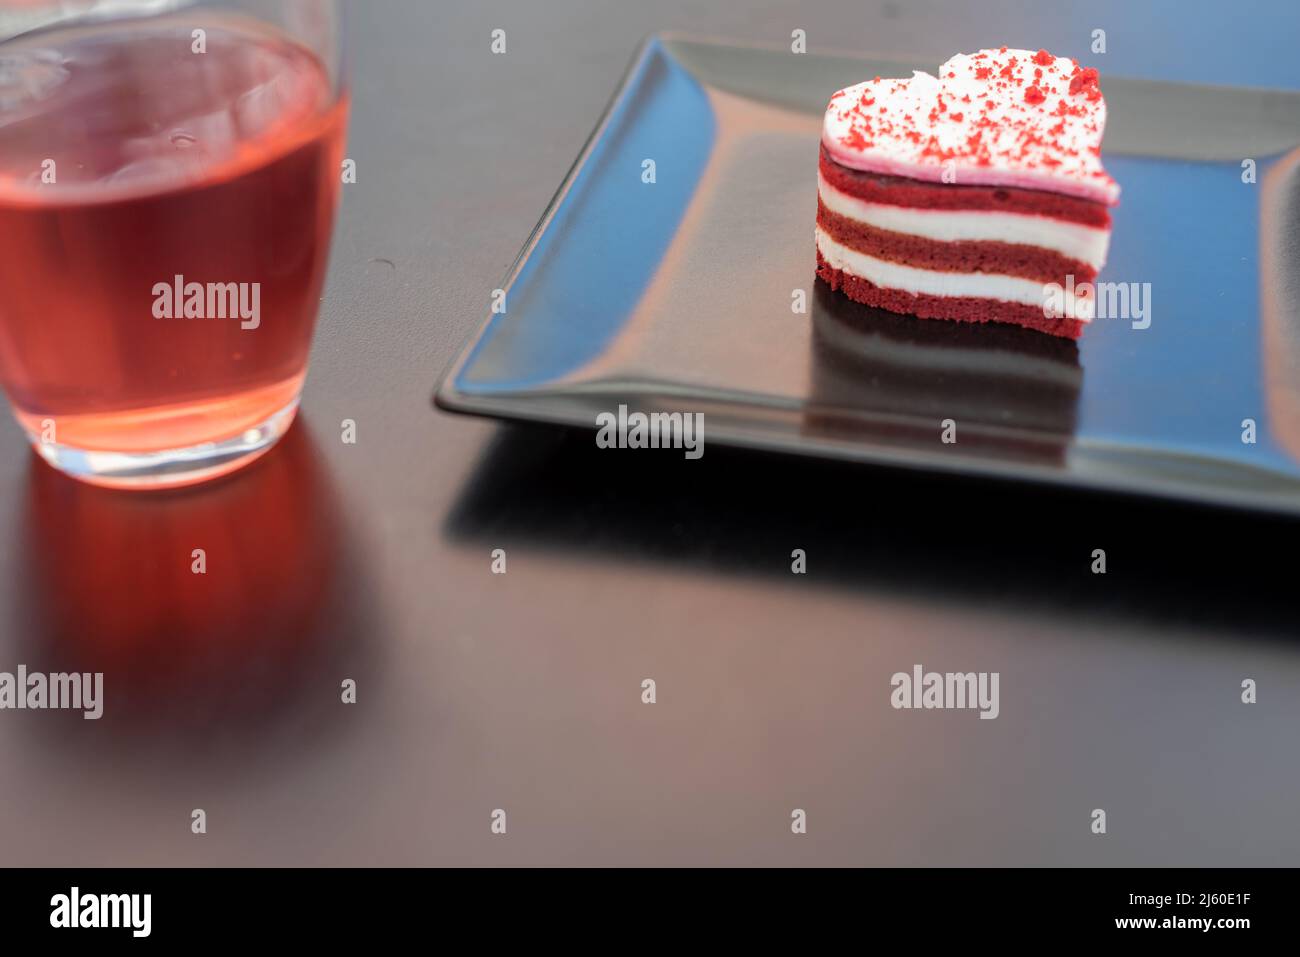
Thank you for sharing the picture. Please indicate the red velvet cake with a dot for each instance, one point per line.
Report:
(966, 196)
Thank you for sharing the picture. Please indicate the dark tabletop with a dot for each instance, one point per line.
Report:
(523, 691)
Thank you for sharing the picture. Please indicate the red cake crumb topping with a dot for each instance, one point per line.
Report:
(1087, 81)
(1031, 119)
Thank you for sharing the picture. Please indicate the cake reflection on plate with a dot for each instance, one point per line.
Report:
(1009, 390)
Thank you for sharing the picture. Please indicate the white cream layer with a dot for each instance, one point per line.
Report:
(1087, 244)
(930, 282)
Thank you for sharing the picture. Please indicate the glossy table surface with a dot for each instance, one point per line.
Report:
(523, 692)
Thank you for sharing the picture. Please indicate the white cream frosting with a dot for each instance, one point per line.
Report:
(980, 120)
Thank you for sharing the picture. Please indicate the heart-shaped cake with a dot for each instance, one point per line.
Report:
(971, 194)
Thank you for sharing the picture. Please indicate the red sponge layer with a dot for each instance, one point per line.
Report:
(986, 256)
(956, 308)
(901, 191)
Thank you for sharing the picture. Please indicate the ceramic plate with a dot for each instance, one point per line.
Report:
(683, 295)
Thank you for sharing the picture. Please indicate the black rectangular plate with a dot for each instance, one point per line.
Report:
(682, 295)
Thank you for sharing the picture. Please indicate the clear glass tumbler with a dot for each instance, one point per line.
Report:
(168, 177)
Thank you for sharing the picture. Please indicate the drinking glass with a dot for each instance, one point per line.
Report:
(168, 177)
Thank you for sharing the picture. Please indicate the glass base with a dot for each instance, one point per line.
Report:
(167, 468)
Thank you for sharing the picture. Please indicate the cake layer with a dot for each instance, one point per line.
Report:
(901, 191)
(930, 282)
(1069, 240)
(969, 256)
(999, 117)
(1078, 249)
(955, 308)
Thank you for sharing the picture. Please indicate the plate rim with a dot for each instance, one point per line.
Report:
(446, 396)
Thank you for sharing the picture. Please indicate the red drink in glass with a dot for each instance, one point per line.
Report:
(165, 216)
